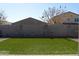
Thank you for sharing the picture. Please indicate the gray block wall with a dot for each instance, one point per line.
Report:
(40, 30)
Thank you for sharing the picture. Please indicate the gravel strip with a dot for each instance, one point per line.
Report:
(2, 39)
(77, 40)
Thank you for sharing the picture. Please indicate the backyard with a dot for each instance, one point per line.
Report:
(38, 46)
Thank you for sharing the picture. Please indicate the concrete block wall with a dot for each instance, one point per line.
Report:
(42, 30)
(63, 30)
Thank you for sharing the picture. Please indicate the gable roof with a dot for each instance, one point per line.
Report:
(30, 20)
(69, 12)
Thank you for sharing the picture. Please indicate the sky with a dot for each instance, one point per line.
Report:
(18, 11)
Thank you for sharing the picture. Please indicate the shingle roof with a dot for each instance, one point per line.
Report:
(69, 12)
(30, 20)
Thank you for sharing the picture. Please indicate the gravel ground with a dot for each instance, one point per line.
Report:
(77, 40)
(2, 39)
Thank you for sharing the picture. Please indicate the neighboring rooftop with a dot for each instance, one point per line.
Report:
(59, 19)
(5, 23)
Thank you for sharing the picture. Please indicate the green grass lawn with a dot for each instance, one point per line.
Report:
(39, 46)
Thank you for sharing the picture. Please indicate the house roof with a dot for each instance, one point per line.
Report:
(69, 12)
(30, 20)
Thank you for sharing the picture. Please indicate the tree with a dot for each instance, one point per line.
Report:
(50, 13)
(2, 17)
